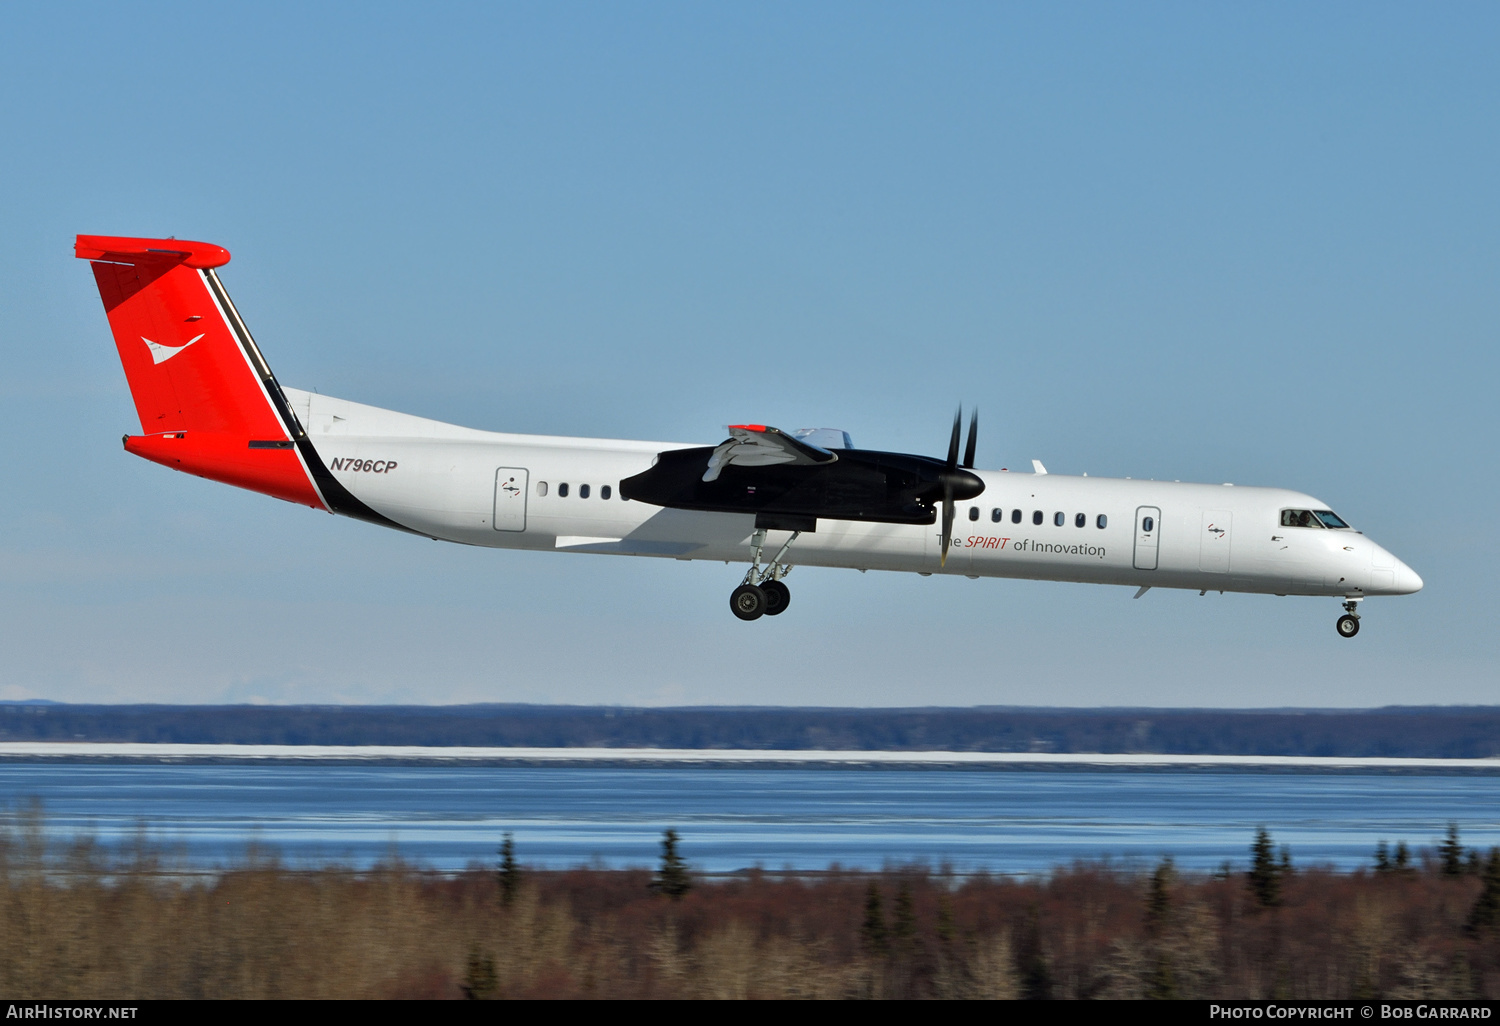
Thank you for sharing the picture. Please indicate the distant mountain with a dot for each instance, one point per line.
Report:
(1415, 732)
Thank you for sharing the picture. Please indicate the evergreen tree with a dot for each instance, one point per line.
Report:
(479, 977)
(945, 917)
(1161, 978)
(1159, 897)
(905, 926)
(672, 877)
(508, 875)
(1161, 981)
(872, 931)
(1382, 858)
(1486, 911)
(1402, 861)
(1031, 961)
(1452, 853)
(1265, 874)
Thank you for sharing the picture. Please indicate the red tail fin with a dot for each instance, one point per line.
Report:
(208, 402)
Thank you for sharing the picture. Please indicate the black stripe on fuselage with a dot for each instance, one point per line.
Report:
(337, 497)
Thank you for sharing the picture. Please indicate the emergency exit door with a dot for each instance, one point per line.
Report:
(1147, 537)
(510, 499)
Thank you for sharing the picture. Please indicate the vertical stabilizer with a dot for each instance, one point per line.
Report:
(207, 401)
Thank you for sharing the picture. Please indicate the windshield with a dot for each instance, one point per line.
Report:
(1329, 518)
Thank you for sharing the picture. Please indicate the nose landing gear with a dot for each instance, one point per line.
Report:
(1349, 623)
(762, 593)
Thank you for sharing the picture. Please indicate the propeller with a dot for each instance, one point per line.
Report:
(956, 483)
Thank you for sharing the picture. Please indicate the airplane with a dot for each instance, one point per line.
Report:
(209, 405)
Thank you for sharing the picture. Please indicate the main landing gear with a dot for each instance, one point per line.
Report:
(1349, 622)
(762, 592)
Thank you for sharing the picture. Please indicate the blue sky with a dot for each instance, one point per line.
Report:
(1204, 242)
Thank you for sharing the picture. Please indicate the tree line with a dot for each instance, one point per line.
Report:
(80, 921)
(1392, 732)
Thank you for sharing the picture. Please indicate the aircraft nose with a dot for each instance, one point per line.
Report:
(1407, 580)
(1390, 576)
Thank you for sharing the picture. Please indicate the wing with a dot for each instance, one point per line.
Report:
(755, 445)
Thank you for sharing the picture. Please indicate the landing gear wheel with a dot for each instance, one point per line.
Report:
(778, 596)
(1348, 626)
(748, 602)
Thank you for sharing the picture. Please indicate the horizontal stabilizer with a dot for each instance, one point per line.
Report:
(825, 438)
(115, 249)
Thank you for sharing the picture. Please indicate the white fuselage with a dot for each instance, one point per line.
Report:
(505, 491)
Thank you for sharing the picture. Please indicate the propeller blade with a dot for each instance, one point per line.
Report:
(947, 522)
(973, 440)
(958, 423)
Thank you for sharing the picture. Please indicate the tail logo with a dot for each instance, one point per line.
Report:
(161, 353)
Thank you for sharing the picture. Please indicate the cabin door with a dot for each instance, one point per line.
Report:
(1147, 537)
(1214, 544)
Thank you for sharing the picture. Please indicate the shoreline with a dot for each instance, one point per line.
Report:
(86, 751)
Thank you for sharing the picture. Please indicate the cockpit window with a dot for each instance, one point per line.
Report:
(1329, 518)
(1299, 518)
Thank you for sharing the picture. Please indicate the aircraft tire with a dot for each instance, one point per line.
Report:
(748, 602)
(778, 597)
(1348, 626)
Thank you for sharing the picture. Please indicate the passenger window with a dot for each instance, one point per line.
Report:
(1103, 521)
(1298, 518)
(562, 490)
(604, 491)
(1148, 524)
(1059, 518)
(583, 491)
(1080, 520)
(1036, 517)
(1015, 516)
(541, 487)
(997, 515)
(973, 512)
